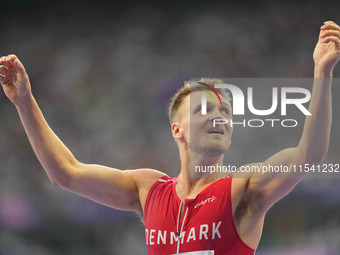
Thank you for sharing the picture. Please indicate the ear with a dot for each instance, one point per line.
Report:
(176, 131)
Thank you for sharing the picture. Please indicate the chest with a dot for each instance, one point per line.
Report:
(197, 219)
(202, 224)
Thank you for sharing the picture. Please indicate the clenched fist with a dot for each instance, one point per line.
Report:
(14, 79)
(327, 50)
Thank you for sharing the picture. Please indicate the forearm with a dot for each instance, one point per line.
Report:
(312, 147)
(53, 155)
(316, 133)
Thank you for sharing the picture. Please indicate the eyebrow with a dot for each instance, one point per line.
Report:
(228, 105)
(226, 102)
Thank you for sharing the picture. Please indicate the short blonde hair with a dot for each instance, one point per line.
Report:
(191, 86)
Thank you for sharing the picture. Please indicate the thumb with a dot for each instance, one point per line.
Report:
(19, 67)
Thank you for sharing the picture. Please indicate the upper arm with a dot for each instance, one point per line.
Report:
(253, 194)
(124, 190)
(270, 187)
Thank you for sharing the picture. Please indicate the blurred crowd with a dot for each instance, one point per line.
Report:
(103, 74)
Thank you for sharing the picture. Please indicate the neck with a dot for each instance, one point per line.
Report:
(191, 178)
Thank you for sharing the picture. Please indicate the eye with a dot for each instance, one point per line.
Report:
(225, 111)
(209, 107)
(197, 109)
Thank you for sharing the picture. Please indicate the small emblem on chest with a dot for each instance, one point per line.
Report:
(203, 202)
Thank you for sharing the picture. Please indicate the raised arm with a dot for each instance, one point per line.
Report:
(126, 190)
(255, 193)
(314, 141)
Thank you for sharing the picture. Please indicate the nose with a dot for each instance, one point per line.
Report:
(215, 114)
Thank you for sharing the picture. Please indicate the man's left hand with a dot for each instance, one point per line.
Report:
(327, 50)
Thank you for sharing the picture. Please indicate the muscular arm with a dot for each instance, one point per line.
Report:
(313, 144)
(124, 190)
(312, 148)
(255, 193)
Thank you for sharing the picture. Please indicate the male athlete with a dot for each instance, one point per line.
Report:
(186, 215)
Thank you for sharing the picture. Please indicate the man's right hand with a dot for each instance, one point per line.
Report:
(14, 79)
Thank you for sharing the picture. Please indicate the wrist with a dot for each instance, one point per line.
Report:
(321, 72)
(24, 102)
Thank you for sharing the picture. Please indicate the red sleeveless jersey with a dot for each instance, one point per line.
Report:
(206, 227)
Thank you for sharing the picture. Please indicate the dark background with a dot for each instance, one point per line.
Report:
(103, 73)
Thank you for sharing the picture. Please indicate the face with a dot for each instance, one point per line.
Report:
(199, 131)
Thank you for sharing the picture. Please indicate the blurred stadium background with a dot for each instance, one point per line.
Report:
(103, 73)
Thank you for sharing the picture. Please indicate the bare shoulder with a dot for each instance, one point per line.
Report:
(144, 179)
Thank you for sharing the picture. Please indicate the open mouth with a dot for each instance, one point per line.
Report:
(215, 131)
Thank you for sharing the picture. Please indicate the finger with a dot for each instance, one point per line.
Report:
(11, 58)
(20, 67)
(334, 39)
(3, 70)
(330, 21)
(2, 60)
(7, 62)
(330, 33)
(329, 25)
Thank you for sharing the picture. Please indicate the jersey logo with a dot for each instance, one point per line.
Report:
(208, 200)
